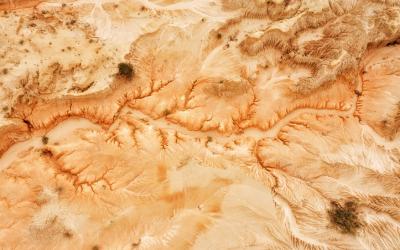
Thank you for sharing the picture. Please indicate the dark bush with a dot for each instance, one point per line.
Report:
(45, 140)
(125, 70)
(344, 217)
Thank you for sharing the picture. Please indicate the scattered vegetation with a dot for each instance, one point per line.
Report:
(125, 70)
(219, 35)
(5, 71)
(45, 140)
(95, 247)
(344, 217)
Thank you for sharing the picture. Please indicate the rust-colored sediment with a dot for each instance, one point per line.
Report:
(8, 5)
(244, 125)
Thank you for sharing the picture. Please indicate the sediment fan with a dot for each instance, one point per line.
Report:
(200, 124)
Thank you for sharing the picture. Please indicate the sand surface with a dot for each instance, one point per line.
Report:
(200, 124)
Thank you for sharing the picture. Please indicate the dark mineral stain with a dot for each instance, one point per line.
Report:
(46, 152)
(68, 235)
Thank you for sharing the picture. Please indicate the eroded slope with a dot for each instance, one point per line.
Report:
(229, 125)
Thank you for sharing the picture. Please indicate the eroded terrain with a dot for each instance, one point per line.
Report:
(200, 124)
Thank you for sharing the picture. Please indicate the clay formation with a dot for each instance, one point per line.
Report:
(200, 124)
